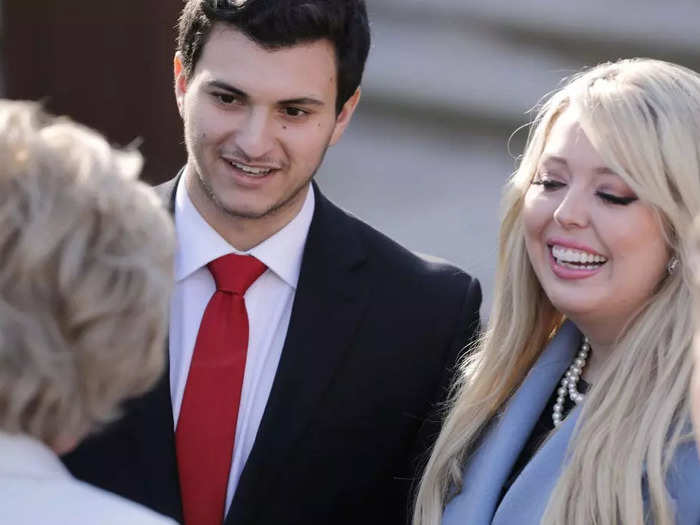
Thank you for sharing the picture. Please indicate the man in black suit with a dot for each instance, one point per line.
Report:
(352, 341)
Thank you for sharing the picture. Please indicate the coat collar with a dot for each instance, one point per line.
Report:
(488, 468)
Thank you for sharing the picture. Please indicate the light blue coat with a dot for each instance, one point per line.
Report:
(527, 498)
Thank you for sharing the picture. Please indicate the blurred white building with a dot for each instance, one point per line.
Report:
(449, 81)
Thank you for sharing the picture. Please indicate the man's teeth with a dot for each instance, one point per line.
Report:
(577, 259)
(250, 170)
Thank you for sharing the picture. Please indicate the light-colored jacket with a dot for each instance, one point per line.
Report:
(36, 489)
(525, 502)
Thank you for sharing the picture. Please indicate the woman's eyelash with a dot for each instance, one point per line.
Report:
(553, 184)
(548, 184)
(614, 199)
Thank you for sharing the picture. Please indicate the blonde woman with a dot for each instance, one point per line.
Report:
(85, 277)
(574, 408)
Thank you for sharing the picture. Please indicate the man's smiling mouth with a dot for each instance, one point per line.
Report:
(252, 171)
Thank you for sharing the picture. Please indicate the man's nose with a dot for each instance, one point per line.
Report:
(255, 136)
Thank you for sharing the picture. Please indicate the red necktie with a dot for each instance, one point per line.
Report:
(206, 428)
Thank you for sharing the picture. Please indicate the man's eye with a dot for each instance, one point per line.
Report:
(294, 112)
(226, 98)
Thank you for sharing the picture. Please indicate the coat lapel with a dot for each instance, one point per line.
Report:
(166, 192)
(329, 303)
(488, 468)
(527, 498)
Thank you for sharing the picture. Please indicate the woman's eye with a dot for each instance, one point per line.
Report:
(548, 184)
(615, 199)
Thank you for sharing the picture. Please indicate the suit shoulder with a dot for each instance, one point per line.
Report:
(400, 261)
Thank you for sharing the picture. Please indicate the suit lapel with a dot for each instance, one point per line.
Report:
(490, 465)
(166, 192)
(329, 303)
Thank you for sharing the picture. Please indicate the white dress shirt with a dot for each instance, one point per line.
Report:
(36, 489)
(268, 302)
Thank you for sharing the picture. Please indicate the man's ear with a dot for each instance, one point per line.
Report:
(345, 115)
(180, 81)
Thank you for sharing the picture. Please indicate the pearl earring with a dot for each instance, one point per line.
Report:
(672, 265)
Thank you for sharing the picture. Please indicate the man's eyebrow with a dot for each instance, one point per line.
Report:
(302, 101)
(227, 87)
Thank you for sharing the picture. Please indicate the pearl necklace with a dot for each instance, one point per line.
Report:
(569, 383)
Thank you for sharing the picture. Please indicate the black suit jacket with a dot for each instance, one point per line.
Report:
(370, 351)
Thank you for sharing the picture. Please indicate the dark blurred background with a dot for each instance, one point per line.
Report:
(447, 83)
(107, 64)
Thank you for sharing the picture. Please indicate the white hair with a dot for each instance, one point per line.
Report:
(85, 276)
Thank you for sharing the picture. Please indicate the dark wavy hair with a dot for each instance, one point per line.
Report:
(275, 24)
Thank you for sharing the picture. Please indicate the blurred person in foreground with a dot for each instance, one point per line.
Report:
(574, 408)
(309, 400)
(85, 276)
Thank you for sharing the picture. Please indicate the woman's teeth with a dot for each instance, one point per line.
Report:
(577, 259)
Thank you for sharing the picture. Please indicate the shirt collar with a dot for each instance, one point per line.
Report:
(198, 243)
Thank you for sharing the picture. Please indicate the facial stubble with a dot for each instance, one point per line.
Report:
(273, 210)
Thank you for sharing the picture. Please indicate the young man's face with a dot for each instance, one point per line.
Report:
(257, 123)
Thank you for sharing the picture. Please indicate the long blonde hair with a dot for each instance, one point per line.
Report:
(643, 118)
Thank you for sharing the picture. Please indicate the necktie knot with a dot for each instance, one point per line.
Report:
(235, 273)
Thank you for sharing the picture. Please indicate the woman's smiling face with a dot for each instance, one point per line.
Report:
(597, 250)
